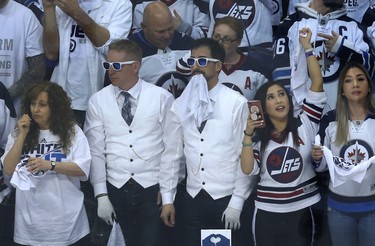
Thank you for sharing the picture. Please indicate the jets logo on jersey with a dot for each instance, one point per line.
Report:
(242, 9)
(329, 63)
(174, 82)
(76, 35)
(284, 164)
(356, 151)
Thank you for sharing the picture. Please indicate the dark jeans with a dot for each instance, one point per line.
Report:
(292, 229)
(203, 212)
(137, 213)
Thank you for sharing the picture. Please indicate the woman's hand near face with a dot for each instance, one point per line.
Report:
(14, 155)
(37, 164)
(251, 125)
(24, 124)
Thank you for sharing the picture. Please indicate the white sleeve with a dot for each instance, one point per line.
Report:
(119, 24)
(81, 153)
(170, 159)
(94, 130)
(242, 187)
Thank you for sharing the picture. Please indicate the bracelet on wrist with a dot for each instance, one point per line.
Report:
(101, 195)
(247, 134)
(247, 144)
(309, 52)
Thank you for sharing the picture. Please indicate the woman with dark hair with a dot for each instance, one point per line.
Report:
(51, 151)
(348, 133)
(281, 156)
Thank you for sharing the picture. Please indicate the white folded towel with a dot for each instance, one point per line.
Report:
(195, 101)
(23, 179)
(341, 171)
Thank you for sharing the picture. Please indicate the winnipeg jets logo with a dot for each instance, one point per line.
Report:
(284, 164)
(174, 82)
(243, 10)
(356, 151)
(329, 64)
(326, 61)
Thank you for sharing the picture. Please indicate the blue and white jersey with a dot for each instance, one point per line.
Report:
(286, 43)
(254, 14)
(352, 196)
(240, 77)
(287, 178)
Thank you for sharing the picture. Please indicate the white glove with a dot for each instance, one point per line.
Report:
(105, 210)
(232, 218)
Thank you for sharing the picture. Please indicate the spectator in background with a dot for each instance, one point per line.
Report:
(357, 8)
(331, 30)
(125, 127)
(255, 16)
(21, 50)
(162, 46)
(187, 17)
(206, 125)
(53, 153)
(77, 35)
(238, 69)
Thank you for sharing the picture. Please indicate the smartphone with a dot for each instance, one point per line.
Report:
(256, 111)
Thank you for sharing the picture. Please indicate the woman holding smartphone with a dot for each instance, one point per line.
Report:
(48, 147)
(280, 154)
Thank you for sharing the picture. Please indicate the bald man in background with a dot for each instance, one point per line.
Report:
(162, 46)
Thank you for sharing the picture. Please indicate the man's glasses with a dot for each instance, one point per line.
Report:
(224, 40)
(117, 66)
(201, 61)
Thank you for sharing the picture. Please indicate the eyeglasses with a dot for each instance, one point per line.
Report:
(201, 61)
(224, 40)
(117, 66)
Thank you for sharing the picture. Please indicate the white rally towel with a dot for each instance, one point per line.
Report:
(195, 101)
(23, 179)
(299, 73)
(341, 171)
(116, 238)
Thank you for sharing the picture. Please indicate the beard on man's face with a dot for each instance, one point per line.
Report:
(333, 4)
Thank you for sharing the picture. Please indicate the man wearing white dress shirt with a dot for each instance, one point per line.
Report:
(126, 153)
(211, 141)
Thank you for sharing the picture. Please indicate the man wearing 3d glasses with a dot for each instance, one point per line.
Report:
(125, 127)
(206, 124)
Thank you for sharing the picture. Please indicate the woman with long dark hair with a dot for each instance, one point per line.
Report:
(280, 154)
(51, 151)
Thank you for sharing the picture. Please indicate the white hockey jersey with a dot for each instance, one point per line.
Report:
(254, 14)
(351, 196)
(287, 178)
